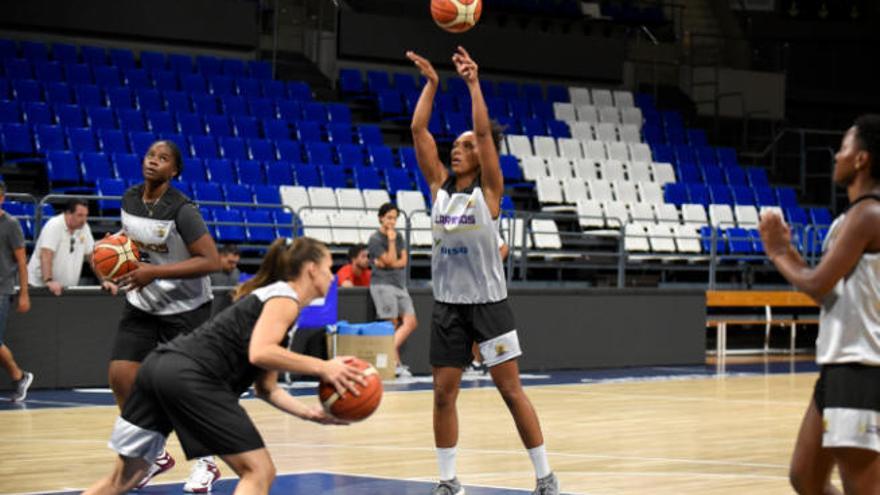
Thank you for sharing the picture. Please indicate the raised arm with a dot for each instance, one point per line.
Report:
(491, 179)
(426, 148)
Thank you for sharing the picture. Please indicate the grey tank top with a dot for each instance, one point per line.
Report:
(466, 265)
(849, 320)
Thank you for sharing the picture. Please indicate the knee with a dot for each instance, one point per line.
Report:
(444, 398)
(802, 481)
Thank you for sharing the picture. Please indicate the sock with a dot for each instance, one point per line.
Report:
(446, 460)
(538, 455)
(208, 459)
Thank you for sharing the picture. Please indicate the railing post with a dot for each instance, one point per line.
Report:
(621, 257)
(713, 252)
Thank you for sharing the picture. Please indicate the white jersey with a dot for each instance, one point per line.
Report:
(849, 321)
(465, 264)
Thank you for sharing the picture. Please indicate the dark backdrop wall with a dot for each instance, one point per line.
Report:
(231, 23)
(67, 340)
(571, 54)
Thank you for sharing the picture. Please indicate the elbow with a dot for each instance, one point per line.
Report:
(258, 358)
(262, 392)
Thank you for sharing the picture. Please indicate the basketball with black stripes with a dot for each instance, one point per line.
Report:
(350, 407)
(456, 16)
(115, 256)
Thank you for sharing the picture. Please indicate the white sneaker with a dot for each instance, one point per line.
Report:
(22, 386)
(402, 371)
(202, 477)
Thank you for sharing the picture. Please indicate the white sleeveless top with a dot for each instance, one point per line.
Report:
(849, 321)
(466, 265)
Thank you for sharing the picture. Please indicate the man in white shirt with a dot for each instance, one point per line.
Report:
(64, 242)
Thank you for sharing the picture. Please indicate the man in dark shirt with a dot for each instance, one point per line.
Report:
(226, 277)
(12, 258)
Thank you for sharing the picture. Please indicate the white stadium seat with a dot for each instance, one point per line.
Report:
(322, 198)
(639, 171)
(651, 192)
(632, 115)
(661, 237)
(623, 99)
(636, 238)
(582, 131)
(586, 169)
(606, 131)
(629, 133)
(546, 234)
(579, 96)
(533, 167)
(549, 190)
(694, 214)
(667, 213)
(374, 198)
(625, 191)
(618, 151)
(600, 190)
(294, 197)
(609, 114)
(587, 113)
(574, 189)
(590, 213)
(746, 216)
(612, 170)
(640, 152)
(559, 168)
(570, 148)
(421, 230)
(545, 146)
(595, 150)
(519, 145)
(410, 201)
(345, 225)
(564, 112)
(349, 198)
(641, 212)
(721, 216)
(663, 173)
(602, 97)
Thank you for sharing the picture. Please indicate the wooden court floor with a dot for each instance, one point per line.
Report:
(713, 435)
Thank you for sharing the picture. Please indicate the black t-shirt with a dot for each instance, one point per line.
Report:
(221, 344)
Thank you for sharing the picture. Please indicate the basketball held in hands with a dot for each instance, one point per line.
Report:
(350, 407)
(114, 256)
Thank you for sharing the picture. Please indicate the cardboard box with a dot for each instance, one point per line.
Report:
(376, 350)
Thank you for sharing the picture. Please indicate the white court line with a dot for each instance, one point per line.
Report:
(679, 398)
(428, 480)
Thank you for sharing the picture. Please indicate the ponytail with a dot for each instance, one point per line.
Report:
(283, 261)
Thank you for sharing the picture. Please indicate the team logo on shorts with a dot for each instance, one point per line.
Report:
(500, 349)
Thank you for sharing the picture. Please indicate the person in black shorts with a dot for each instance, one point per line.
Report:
(842, 423)
(192, 384)
(169, 293)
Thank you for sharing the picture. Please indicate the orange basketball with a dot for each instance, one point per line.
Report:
(350, 407)
(115, 256)
(456, 16)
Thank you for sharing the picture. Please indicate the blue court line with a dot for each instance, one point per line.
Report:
(47, 399)
(317, 483)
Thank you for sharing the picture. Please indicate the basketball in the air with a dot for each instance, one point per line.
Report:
(115, 256)
(456, 16)
(350, 407)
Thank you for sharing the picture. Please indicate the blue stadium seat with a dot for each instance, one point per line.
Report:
(351, 82)
(131, 120)
(10, 112)
(739, 241)
(194, 171)
(380, 157)
(398, 179)
(35, 113)
(507, 203)
(520, 109)
(16, 68)
(821, 217)
(178, 139)
(307, 131)
(8, 49)
(509, 90)
(339, 113)
(757, 177)
(273, 89)
(488, 87)
(689, 173)
(194, 83)
(221, 86)
(796, 215)
(721, 194)
(48, 138)
(160, 122)
(318, 152)
(532, 92)
(220, 170)
(112, 141)
(233, 67)
(377, 81)
(727, 157)
(261, 149)
(122, 58)
(208, 65)
(369, 135)
(238, 193)
(263, 108)
(62, 168)
(706, 240)
(245, 127)
(120, 98)
(457, 123)
(675, 193)
(333, 176)
(106, 76)
(207, 191)
(140, 141)
(218, 126)
(105, 186)
(268, 194)
(81, 139)
(284, 223)
(405, 83)
(78, 74)
(204, 146)
(205, 104)
(148, 100)
(406, 156)
(290, 111)
(260, 227)
(88, 96)
(366, 178)
(787, 197)
(350, 155)
(57, 93)
(46, 72)
(259, 69)
(207, 213)
(25, 90)
(190, 124)
(706, 156)
(390, 104)
(250, 172)
(698, 193)
(735, 176)
(95, 165)
(165, 81)
(276, 129)
(339, 133)
(697, 138)
(713, 174)
(128, 166)
(542, 109)
(765, 196)
(65, 53)
(177, 102)
(94, 55)
(558, 128)
(457, 86)
(233, 148)
(307, 175)
(757, 244)
(279, 174)
(100, 118)
(136, 79)
(230, 233)
(663, 153)
(510, 169)
(16, 138)
(290, 151)
(234, 106)
(249, 87)
(153, 61)
(557, 93)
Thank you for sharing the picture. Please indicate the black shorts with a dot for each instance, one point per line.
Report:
(848, 398)
(173, 392)
(140, 332)
(455, 327)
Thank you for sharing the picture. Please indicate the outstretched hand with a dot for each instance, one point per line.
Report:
(465, 66)
(775, 234)
(425, 67)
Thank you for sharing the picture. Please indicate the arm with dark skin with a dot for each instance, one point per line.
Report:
(491, 179)
(858, 234)
(426, 148)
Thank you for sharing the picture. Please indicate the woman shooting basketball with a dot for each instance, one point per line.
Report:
(470, 293)
(842, 422)
(192, 384)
